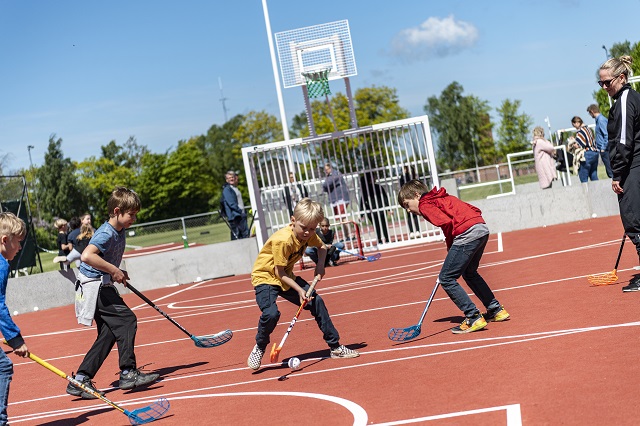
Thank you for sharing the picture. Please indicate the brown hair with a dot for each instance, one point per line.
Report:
(86, 231)
(125, 199)
(411, 190)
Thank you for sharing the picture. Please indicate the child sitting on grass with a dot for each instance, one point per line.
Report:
(466, 235)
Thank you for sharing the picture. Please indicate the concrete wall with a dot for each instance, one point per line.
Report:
(532, 207)
(182, 266)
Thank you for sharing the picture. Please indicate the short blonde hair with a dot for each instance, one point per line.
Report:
(11, 225)
(538, 132)
(411, 190)
(308, 210)
(124, 198)
(59, 223)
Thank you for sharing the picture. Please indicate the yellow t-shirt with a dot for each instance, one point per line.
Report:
(283, 249)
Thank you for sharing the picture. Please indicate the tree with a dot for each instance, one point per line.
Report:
(59, 192)
(174, 183)
(462, 128)
(223, 152)
(373, 105)
(513, 133)
(118, 166)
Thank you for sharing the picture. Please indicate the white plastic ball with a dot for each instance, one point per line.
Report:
(15, 313)
(35, 308)
(594, 215)
(198, 279)
(294, 363)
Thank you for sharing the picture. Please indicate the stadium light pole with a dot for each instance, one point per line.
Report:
(606, 52)
(29, 148)
(276, 75)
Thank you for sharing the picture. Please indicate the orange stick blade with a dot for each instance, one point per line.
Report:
(606, 278)
(274, 353)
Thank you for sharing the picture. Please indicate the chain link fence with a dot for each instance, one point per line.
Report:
(200, 229)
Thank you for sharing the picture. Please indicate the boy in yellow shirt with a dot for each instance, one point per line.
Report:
(272, 276)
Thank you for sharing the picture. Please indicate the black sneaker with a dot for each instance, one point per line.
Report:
(136, 378)
(78, 391)
(634, 285)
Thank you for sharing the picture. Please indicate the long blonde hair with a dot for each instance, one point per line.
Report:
(86, 231)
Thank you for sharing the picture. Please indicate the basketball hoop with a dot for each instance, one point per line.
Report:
(317, 83)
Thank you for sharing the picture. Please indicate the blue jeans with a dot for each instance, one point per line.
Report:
(604, 154)
(266, 295)
(463, 260)
(589, 168)
(6, 373)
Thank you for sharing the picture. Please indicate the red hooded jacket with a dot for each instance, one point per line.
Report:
(451, 214)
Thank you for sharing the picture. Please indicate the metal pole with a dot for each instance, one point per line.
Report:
(276, 75)
(606, 52)
(546, 120)
(29, 148)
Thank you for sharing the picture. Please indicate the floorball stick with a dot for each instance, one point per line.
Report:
(275, 350)
(402, 334)
(608, 277)
(136, 417)
(371, 258)
(200, 341)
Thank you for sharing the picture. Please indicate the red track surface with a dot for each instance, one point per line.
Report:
(568, 355)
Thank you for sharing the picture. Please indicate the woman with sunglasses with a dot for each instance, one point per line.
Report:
(624, 146)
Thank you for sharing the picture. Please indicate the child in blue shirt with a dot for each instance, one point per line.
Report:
(98, 299)
(12, 232)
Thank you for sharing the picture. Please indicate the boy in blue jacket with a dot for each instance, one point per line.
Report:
(12, 232)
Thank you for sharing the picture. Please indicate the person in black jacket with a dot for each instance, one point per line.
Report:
(293, 193)
(624, 147)
(373, 201)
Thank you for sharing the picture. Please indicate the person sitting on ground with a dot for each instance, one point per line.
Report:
(81, 243)
(327, 235)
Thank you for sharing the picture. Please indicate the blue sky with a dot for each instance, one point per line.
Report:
(92, 72)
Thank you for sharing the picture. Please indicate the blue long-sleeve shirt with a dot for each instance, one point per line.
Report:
(602, 137)
(8, 328)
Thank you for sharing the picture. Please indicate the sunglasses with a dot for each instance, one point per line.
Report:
(607, 83)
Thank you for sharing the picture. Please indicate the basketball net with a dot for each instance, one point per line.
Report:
(317, 83)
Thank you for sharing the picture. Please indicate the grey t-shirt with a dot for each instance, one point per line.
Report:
(476, 231)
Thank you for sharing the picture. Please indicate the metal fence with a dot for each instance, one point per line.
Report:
(372, 160)
(204, 228)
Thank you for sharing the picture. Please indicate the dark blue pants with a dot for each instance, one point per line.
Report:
(463, 260)
(266, 295)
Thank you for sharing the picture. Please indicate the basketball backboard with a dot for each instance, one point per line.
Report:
(316, 48)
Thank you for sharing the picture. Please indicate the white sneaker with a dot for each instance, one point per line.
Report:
(344, 352)
(255, 358)
(59, 259)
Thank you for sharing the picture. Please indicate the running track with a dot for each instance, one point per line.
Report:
(568, 356)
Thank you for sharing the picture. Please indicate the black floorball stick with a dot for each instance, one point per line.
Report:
(408, 333)
(200, 341)
(608, 278)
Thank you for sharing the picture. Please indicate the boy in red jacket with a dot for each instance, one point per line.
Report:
(466, 235)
